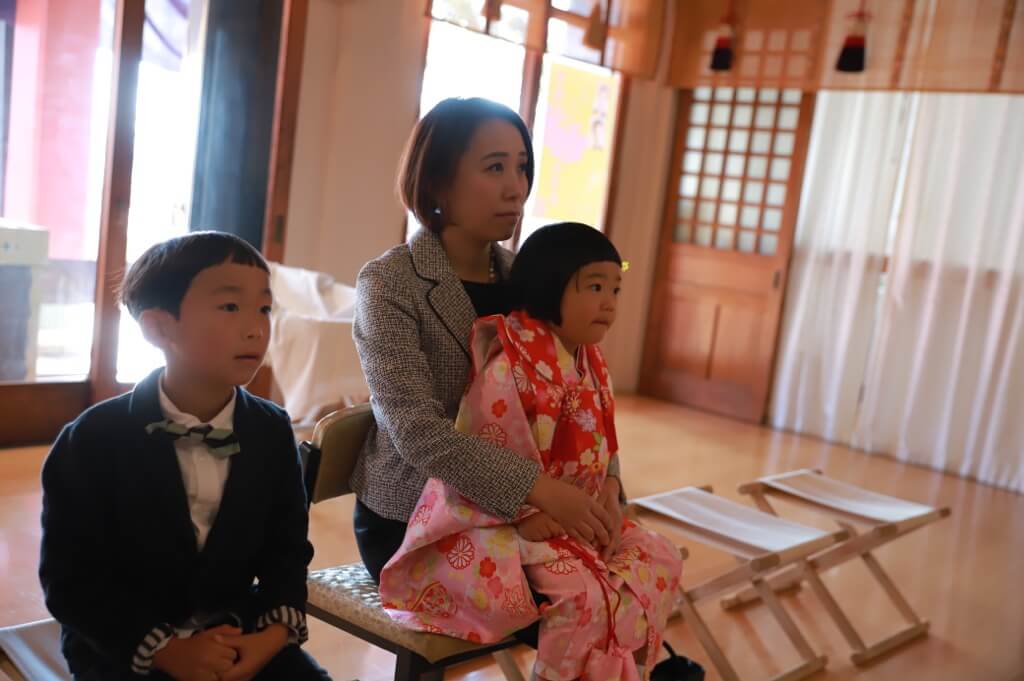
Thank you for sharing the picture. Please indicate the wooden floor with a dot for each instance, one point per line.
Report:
(965, 574)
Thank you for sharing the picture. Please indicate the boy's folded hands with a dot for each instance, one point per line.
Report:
(221, 654)
(203, 657)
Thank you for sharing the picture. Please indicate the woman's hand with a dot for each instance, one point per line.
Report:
(609, 500)
(582, 517)
(539, 527)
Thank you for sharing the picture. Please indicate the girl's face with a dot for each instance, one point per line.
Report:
(589, 303)
(490, 186)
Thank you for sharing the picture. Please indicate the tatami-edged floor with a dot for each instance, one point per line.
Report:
(964, 573)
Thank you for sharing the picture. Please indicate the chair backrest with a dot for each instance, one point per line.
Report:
(337, 440)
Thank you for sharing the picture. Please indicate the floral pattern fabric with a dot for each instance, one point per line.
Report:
(465, 573)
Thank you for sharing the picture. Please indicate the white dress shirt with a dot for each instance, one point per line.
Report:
(202, 473)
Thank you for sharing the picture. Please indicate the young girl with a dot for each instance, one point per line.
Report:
(540, 387)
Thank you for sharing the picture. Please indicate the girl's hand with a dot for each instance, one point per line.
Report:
(577, 512)
(539, 527)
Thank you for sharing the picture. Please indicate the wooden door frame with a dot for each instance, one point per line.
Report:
(294, 16)
(659, 292)
(666, 241)
(117, 189)
(790, 214)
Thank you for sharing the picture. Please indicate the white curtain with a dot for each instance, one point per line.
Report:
(902, 330)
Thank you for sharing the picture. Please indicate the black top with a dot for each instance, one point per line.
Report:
(489, 299)
(119, 555)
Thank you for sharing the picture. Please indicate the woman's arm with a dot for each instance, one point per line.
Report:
(387, 335)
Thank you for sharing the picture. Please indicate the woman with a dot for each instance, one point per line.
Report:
(466, 174)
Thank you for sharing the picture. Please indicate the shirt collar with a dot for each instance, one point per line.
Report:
(225, 419)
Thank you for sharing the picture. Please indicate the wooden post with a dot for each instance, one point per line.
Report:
(128, 22)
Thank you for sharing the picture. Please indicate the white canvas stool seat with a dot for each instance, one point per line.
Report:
(31, 652)
(871, 519)
(761, 544)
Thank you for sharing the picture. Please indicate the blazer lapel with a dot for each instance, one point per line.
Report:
(447, 296)
(243, 478)
(163, 485)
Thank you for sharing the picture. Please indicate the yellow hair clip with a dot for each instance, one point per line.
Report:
(625, 265)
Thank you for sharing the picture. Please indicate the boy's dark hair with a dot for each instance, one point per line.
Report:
(547, 261)
(161, 276)
(438, 142)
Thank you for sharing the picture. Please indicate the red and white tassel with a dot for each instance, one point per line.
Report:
(721, 54)
(854, 51)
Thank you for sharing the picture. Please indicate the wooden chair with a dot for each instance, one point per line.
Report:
(761, 544)
(871, 519)
(31, 652)
(346, 596)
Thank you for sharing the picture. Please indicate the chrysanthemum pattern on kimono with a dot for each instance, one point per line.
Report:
(465, 573)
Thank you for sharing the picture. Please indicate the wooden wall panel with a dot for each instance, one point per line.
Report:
(928, 45)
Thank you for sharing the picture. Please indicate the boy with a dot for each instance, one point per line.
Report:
(162, 506)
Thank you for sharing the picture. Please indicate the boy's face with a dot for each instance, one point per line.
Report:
(589, 303)
(223, 327)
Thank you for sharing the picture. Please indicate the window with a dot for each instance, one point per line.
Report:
(759, 148)
(54, 133)
(163, 161)
(574, 132)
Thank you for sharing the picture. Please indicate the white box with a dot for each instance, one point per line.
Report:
(26, 245)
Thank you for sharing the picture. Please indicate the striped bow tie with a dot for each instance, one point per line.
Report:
(221, 442)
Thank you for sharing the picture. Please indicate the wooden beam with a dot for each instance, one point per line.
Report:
(616, 163)
(129, 19)
(294, 16)
(529, 95)
(1002, 45)
(899, 60)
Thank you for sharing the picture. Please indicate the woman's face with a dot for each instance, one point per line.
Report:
(490, 186)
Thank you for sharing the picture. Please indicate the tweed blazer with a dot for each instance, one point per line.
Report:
(412, 326)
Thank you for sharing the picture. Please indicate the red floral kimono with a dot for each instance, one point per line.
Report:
(465, 573)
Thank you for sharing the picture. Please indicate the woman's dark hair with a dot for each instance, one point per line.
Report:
(438, 142)
(162, 275)
(547, 261)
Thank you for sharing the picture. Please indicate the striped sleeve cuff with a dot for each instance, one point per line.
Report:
(294, 619)
(152, 643)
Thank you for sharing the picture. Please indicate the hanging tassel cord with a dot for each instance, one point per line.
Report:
(591, 563)
(861, 13)
(730, 14)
